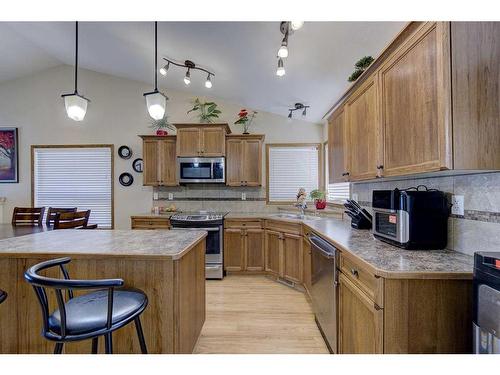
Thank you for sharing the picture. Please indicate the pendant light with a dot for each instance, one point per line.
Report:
(76, 104)
(155, 100)
(280, 72)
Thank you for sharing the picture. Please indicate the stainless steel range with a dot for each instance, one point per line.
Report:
(213, 223)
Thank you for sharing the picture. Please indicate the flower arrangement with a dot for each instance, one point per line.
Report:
(207, 111)
(245, 118)
(161, 126)
(319, 198)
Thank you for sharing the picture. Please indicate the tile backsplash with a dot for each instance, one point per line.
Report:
(479, 228)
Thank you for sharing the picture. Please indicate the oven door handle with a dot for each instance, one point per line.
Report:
(206, 229)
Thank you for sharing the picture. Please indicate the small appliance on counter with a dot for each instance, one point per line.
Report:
(360, 218)
(486, 303)
(411, 218)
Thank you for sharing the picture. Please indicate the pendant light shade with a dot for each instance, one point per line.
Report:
(156, 102)
(76, 104)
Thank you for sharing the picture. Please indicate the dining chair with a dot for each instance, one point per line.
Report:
(87, 316)
(32, 216)
(52, 211)
(73, 220)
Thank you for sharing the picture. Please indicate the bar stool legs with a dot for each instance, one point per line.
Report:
(95, 345)
(108, 343)
(58, 348)
(140, 335)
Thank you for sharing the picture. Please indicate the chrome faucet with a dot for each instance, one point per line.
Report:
(302, 206)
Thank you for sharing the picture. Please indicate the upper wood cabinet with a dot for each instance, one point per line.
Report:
(201, 140)
(159, 159)
(363, 127)
(337, 146)
(422, 106)
(415, 104)
(244, 160)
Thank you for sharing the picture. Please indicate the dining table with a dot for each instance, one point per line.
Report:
(9, 230)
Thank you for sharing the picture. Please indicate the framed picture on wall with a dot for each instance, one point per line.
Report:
(9, 160)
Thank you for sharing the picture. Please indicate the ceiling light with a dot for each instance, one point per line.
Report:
(208, 82)
(304, 112)
(297, 107)
(295, 25)
(76, 104)
(187, 78)
(283, 51)
(163, 70)
(290, 114)
(156, 101)
(280, 72)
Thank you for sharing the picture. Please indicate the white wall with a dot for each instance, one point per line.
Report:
(116, 114)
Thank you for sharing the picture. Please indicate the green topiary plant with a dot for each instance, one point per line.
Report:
(360, 67)
(317, 194)
(207, 111)
(161, 125)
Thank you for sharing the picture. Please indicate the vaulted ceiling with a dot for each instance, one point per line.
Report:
(242, 55)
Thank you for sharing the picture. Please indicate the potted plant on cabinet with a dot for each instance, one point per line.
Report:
(319, 198)
(207, 111)
(245, 118)
(161, 126)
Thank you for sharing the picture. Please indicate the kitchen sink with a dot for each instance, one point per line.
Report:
(296, 216)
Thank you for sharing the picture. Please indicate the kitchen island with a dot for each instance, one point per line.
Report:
(169, 266)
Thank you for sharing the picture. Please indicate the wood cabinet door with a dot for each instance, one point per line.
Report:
(337, 150)
(234, 250)
(272, 251)
(254, 246)
(363, 126)
(150, 156)
(252, 162)
(415, 104)
(234, 162)
(188, 142)
(168, 162)
(360, 321)
(306, 255)
(213, 141)
(292, 257)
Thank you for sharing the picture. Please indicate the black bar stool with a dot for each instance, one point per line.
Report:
(87, 316)
(3, 295)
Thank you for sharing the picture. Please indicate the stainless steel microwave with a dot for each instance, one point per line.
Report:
(201, 170)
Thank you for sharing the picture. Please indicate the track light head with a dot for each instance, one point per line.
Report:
(295, 25)
(304, 112)
(280, 72)
(187, 78)
(208, 82)
(290, 114)
(283, 51)
(164, 69)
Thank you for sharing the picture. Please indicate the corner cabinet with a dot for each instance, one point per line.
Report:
(244, 160)
(201, 140)
(422, 106)
(158, 154)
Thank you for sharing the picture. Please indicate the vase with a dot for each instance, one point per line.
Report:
(320, 204)
(161, 132)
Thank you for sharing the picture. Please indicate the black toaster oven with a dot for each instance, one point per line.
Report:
(411, 218)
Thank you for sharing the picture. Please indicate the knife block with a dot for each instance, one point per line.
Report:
(359, 221)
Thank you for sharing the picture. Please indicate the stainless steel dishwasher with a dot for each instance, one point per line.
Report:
(324, 280)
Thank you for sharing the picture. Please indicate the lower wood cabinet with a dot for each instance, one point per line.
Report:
(144, 222)
(273, 250)
(243, 249)
(306, 256)
(360, 321)
(284, 255)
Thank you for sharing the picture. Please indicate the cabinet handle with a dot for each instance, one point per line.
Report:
(354, 272)
(380, 167)
(345, 174)
(377, 307)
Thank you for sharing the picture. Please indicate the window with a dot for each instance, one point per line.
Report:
(336, 192)
(75, 176)
(289, 168)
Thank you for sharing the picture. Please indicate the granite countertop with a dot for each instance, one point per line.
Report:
(390, 261)
(139, 244)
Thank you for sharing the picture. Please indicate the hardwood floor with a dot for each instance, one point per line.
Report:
(254, 314)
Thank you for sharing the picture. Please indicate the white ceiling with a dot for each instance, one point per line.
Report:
(242, 55)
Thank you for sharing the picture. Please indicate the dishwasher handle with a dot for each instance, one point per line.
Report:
(324, 247)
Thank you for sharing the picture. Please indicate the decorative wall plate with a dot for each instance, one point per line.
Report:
(125, 152)
(126, 179)
(138, 165)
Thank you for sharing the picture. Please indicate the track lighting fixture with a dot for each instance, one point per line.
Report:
(298, 107)
(295, 25)
(280, 72)
(191, 66)
(76, 104)
(187, 77)
(155, 100)
(164, 69)
(283, 51)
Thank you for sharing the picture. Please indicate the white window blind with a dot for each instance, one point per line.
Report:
(292, 168)
(339, 191)
(75, 177)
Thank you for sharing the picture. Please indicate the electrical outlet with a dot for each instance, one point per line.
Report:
(170, 196)
(243, 196)
(155, 196)
(457, 207)
(355, 196)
